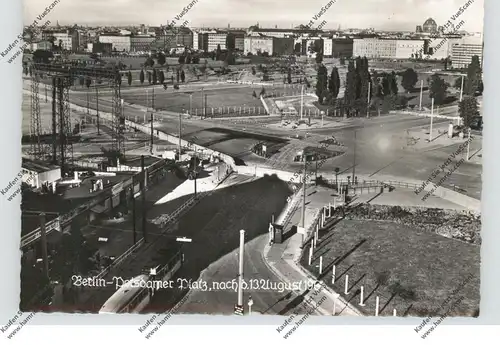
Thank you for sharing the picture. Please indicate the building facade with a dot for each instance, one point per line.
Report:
(68, 39)
(258, 44)
(213, 39)
(342, 47)
(463, 50)
(141, 43)
(387, 48)
(42, 45)
(118, 42)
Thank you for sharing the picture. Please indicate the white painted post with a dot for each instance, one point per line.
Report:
(334, 306)
(240, 110)
(377, 301)
(315, 239)
(310, 254)
(394, 312)
(212, 112)
(361, 297)
(320, 264)
(333, 274)
(432, 118)
(346, 289)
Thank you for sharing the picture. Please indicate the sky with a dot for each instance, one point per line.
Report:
(377, 14)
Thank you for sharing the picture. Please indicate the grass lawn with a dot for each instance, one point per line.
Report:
(215, 98)
(411, 271)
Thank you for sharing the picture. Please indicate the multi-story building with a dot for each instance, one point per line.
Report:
(41, 45)
(282, 46)
(102, 48)
(212, 39)
(387, 48)
(258, 44)
(374, 48)
(328, 47)
(463, 50)
(342, 47)
(67, 39)
(141, 43)
(120, 43)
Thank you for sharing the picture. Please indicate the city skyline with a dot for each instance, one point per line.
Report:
(399, 15)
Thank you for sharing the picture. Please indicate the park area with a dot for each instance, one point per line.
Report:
(410, 269)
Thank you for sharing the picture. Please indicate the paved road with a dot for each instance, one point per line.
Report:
(267, 296)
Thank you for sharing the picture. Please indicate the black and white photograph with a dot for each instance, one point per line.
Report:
(216, 157)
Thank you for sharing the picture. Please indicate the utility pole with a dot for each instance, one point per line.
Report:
(143, 194)
(240, 272)
(301, 100)
(88, 102)
(152, 131)
(202, 102)
(180, 133)
(45, 92)
(468, 145)
(421, 93)
(153, 100)
(354, 159)
(133, 216)
(432, 117)
(43, 239)
(205, 108)
(54, 120)
(304, 187)
(190, 104)
(462, 89)
(195, 171)
(97, 107)
(368, 103)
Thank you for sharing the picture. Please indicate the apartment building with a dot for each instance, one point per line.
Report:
(387, 48)
(118, 42)
(68, 39)
(463, 50)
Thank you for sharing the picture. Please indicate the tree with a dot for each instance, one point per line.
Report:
(188, 59)
(182, 59)
(334, 84)
(254, 94)
(437, 89)
(82, 80)
(253, 70)
(468, 109)
(409, 80)
(129, 78)
(155, 76)
(161, 59)
(321, 83)
(88, 82)
(150, 62)
(342, 60)
(230, 41)
(289, 75)
(473, 77)
(161, 77)
(218, 53)
(141, 76)
(394, 84)
(178, 76)
(350, 85)
(183, 76)
(149, 78)
(262, 92)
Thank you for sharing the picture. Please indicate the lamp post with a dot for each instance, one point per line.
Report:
(354, 158)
